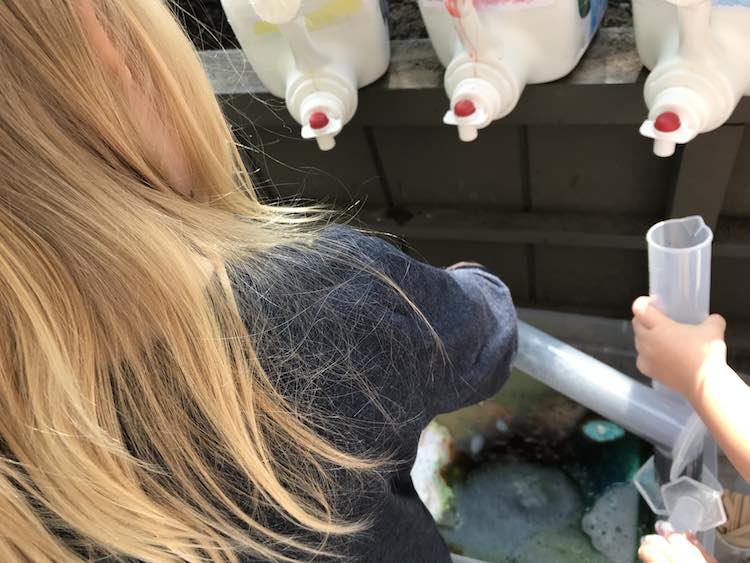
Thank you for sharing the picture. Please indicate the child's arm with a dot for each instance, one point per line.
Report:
(692, 361)
(723, 402)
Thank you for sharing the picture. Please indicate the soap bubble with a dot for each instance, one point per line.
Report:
(477, 444)
(502, 426)
(610, 523)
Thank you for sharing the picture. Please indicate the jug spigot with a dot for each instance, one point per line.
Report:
(675, 118)
(474, 104)
(683, 92)
(477, 80)
(323, 129)
(667, 130)
(319, 96)
(322, 115)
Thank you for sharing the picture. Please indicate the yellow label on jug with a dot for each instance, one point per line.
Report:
(329, 13)
(264, 28)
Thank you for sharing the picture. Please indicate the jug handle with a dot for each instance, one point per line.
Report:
(694, 24)
(469, 28)
(307, 57)
(285, 14)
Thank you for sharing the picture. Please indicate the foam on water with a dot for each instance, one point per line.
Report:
(435, 447)
(609, 523)
(521, 512)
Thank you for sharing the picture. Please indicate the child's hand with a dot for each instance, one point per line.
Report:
(675, 354)
(673, 548)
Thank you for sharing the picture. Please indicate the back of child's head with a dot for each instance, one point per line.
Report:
(127, 376)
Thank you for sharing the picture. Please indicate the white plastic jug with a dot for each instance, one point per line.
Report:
(315, 54)
(699, 53)
(492, 48)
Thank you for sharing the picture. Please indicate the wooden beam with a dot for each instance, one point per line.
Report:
(732, 238)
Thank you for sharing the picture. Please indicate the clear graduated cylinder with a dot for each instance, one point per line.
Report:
(679, 265)
(679, 259)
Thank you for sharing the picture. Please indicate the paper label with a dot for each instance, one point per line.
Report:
(732, 3)
(318, 14)
(494, 5)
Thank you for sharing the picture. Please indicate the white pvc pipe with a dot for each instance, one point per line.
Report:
(636, 407)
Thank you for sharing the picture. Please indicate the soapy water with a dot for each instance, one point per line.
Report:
(521, 499)
(609, 523)
(516, 512)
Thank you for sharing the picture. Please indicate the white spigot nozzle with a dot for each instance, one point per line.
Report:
(698, 81)
(667, 131)
(677, 116)
(474, 105)
(323, 129)
(322, 105)
(480, 93)
(481, 83)
(322, 115)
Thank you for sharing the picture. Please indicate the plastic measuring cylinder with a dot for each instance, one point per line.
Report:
(679, 260)
(679, 265)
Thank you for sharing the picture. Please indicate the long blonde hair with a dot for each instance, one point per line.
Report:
(127, 377)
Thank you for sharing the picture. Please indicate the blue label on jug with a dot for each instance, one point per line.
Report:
(598, 7)
(384, 7)
(733, 3)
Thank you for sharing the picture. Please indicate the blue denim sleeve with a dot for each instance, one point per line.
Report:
(471, 311)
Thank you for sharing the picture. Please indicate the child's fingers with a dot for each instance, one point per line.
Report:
(647, 314)
(639, 329)
(640, 305)
(706, 555)
(679, 547)
(655, 549)
(717, 322)
(664, 528)
(653, 554)
(687, 550)
(640, 334)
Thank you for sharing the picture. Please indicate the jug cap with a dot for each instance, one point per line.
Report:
(676, 117)
(322, 105)
(474, 104)
(322, 115)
